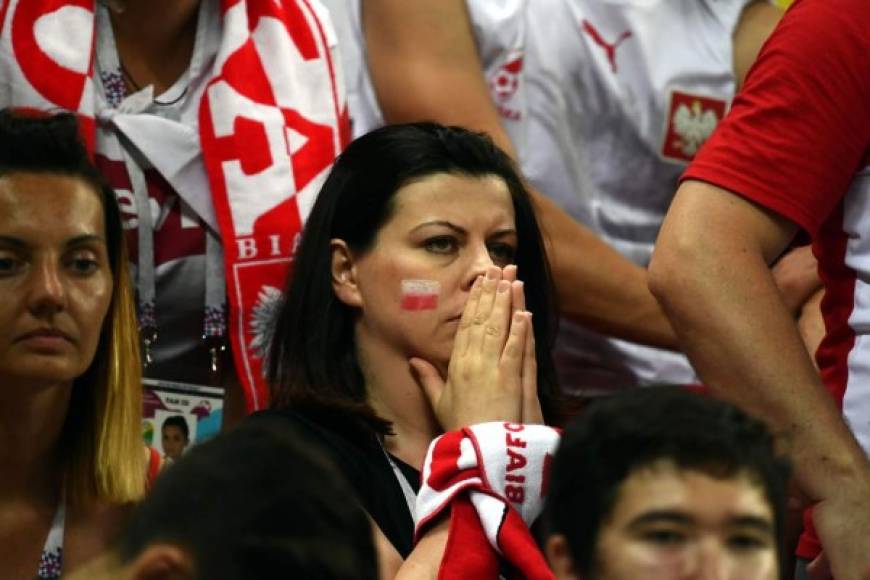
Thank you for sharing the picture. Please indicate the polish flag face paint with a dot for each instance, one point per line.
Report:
(420, 294)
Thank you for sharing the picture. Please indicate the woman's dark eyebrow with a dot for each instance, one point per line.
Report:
(459, 230)
(504, 232)
(443, 223)
(13, 242)
(84, 239)
(81, 240)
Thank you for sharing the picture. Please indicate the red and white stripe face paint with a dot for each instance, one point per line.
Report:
(420, 294)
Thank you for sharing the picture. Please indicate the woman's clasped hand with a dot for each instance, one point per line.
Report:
(492, 375)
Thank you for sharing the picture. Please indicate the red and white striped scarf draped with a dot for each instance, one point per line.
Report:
(272, 120)
(493, 479)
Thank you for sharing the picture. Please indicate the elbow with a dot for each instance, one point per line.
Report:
(677, 264)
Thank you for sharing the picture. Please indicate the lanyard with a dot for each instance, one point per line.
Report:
(407, 490)
(214, 326)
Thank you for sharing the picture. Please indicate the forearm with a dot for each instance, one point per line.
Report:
(597, 286)
(754, 27)
(424, 65)
(425, 560)
(719, 293)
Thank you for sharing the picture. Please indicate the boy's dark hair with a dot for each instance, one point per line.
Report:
(312, 356)
(616, 436)
(256, 503)
(179, 422)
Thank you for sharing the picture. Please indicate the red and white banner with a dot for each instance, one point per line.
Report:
(272, 120)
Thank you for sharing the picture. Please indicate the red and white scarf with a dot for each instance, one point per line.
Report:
(271, 121)
(494, 478)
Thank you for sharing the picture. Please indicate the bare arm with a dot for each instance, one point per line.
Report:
(710, 271)
(756, 23)
(796, 273)
(425, 560)
(415, 50)
(596, 285)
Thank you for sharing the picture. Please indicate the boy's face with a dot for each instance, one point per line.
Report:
(672, 524)
(173, 441)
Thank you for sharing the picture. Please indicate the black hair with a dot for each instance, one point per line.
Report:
(256, 503)
(179, 422)
(616, 436)
(312, 358)
(36, 142)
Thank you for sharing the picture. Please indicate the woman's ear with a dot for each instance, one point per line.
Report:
(344, 281)
(163, 561)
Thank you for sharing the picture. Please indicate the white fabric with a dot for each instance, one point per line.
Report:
(51, 560)
(504, 461)
(856, 401)
(598, 126)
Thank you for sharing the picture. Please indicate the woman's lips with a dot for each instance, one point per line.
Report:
(46, 339)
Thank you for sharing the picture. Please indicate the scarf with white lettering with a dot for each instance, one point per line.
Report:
(494, 478)
(271, 121)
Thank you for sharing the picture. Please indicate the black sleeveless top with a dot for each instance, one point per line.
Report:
(356, 451)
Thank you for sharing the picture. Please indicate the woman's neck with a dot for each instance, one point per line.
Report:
(395, 395)
(155, 40)
(31, 421)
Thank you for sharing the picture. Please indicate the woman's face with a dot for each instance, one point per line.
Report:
(55, 279)
(413, 283)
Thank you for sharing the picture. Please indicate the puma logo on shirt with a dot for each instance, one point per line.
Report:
(609, 48)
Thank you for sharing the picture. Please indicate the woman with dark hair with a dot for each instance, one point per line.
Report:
(70, 394)
(404, 318)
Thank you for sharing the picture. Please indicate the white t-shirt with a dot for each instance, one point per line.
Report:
(621, 95)
(605, 101)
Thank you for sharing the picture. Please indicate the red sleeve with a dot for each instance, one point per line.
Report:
(799, 131)
(154, 465)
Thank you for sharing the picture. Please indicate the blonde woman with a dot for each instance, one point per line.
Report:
(70, 399)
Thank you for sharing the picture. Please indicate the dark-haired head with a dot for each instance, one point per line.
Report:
(620, 436)
(312, 358)
(228, 510)
(179, 423)
(101, 441)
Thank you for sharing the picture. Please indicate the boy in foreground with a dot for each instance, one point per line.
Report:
(665, 484)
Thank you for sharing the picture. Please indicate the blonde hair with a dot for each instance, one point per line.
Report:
(100, 452)
(102, 446)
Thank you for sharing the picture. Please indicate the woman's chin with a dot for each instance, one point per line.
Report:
(42, 371)
(437, 360)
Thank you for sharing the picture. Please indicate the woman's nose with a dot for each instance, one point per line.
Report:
(479, 262)
(47, 293)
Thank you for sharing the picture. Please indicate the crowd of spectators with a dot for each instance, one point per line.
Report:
(539, 289)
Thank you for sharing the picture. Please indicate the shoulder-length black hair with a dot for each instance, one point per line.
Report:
(312, 357)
